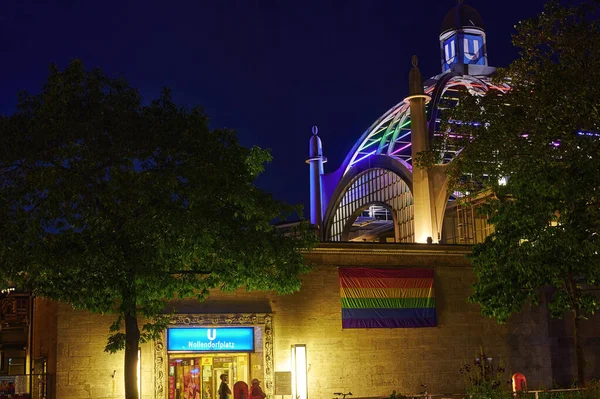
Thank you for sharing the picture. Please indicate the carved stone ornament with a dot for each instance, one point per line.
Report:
(261, 320)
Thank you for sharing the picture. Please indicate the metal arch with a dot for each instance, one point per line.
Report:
(379, 133)
(395, 165)
(373, 186)
(401, 193)
(476, 86)
(435, 100)
(386, 144)
(368, 138)
(404, 121)
(390, 134)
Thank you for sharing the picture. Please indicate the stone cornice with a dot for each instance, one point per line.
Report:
(347, 248)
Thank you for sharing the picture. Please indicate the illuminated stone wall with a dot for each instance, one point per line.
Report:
(368, 362)
(83, 369)
(376, 361)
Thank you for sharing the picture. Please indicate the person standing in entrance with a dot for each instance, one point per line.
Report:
(256, 391)
(224, 390)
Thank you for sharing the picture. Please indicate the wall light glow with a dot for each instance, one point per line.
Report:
(139, 373)
(299, 372)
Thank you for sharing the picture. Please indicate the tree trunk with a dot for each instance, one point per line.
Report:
(132, 340)
(574, 297)
(578, 352)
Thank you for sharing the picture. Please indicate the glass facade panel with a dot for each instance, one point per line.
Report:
(374, 186)
(194, 376)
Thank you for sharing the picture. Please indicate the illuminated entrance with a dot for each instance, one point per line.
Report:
(196, 349)
(197, 377)
(198, 356)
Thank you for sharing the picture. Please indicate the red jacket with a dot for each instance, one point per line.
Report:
(257, 393)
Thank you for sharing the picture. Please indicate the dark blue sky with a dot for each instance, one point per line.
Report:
(267, 68)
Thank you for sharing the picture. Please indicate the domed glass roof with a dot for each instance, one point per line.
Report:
(391, 134)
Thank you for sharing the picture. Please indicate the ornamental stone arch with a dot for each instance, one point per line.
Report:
(261, 321)
(381, 181)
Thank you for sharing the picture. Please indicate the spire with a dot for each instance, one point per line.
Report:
(415, 80)
(316, 161)
(315, 148)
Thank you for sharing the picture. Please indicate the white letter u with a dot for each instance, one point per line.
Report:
(214, 334)
(471, 55)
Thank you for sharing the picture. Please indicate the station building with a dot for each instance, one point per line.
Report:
(385, 307)
(369, 362)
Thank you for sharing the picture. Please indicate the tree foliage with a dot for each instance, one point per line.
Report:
(115, 206)
(536, 153)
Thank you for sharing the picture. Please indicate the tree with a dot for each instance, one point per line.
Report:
(117, 207)
(535, 154)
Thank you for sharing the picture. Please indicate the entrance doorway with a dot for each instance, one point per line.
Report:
(216, 380)
(197, 376)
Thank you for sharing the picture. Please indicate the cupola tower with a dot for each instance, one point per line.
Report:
(463, 41)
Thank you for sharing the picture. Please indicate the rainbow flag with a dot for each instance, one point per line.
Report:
(387, 298)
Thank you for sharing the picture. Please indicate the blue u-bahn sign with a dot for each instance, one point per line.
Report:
(465, 48)
(220, 339)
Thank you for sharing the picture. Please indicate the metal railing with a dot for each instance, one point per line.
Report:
(534, 394)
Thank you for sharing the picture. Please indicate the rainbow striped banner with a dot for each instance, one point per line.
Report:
(387, 298)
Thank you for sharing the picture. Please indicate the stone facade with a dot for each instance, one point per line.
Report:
(368, 362)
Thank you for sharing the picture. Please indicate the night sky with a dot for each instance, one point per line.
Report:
(269, 69)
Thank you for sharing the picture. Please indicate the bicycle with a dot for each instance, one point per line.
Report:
(343, 395)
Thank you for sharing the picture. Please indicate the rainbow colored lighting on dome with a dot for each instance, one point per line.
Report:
(378, 169)
(392, 132)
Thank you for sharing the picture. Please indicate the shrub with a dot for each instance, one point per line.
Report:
(484, 378)
(395, 395)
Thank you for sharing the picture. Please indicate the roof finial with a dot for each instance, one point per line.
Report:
(315, 130)
(415, 81)
(415, 61)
